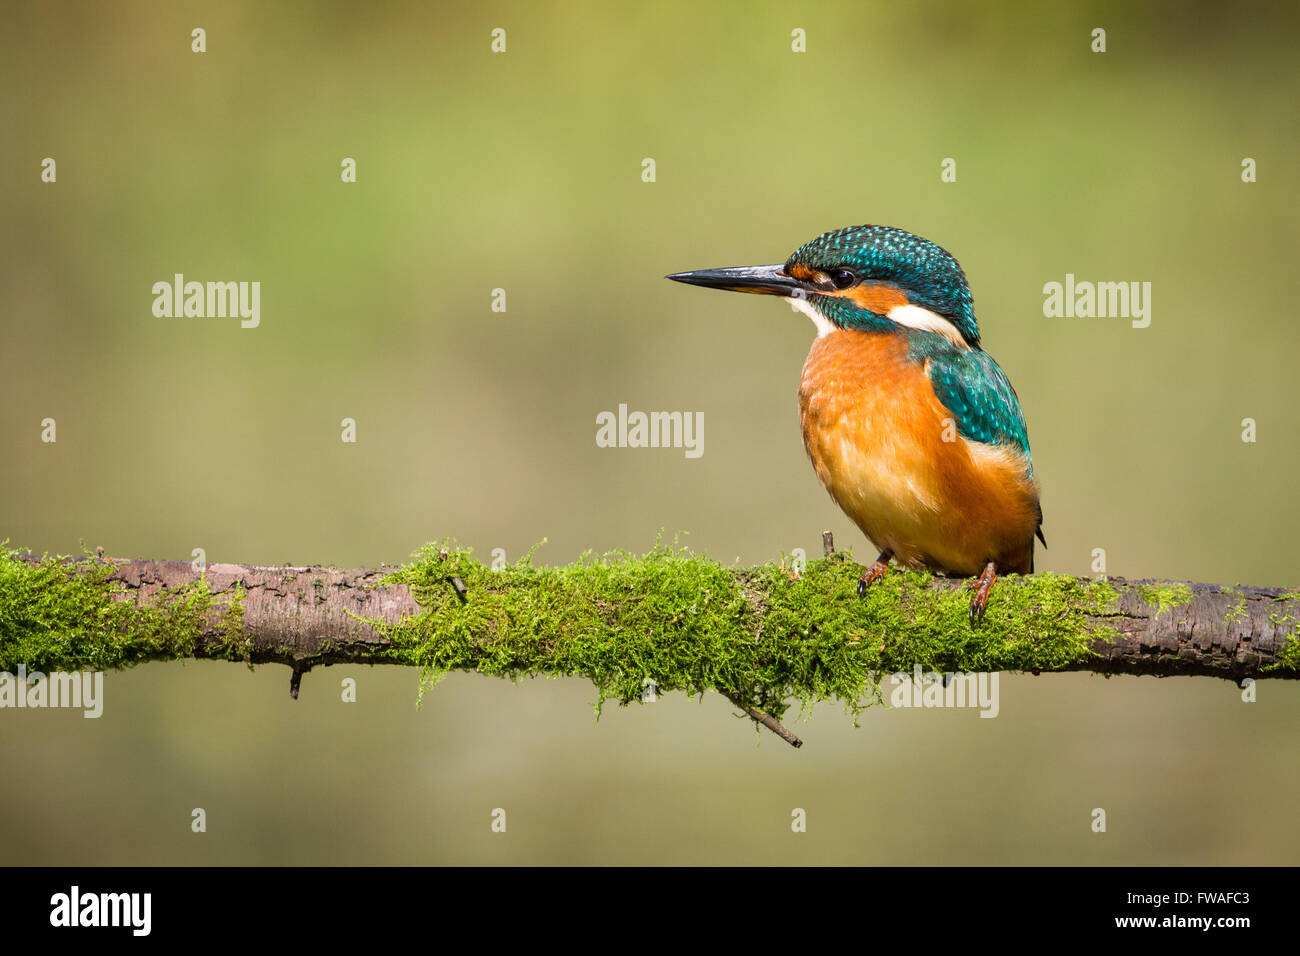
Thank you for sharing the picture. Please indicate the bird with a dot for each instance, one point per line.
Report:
(910, 424)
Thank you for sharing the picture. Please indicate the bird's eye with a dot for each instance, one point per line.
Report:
(843, 278)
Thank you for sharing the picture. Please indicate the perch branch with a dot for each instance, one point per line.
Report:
(759, 636)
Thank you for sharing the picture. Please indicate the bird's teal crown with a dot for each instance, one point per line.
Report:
(928, 274)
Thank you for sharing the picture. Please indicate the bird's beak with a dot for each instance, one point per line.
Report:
(763, 280)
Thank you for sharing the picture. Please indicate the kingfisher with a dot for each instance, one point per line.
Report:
(911, 426)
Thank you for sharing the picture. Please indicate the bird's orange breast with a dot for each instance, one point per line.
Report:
(889, 453)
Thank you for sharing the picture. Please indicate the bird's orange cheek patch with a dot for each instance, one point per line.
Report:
(801, 272)
(875, 297)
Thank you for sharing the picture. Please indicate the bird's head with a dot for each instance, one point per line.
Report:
(863, 277)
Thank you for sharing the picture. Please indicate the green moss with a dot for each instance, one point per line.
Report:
(1163, 597)
(1287, 617)
(1289, 658)
(1239, 611)
(765, 636)
(234, 645)
(57, 617)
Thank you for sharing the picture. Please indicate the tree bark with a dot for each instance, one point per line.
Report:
(292, 615)
(310, 616)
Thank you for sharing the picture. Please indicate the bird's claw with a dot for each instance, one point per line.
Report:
(982, 586)
(871, 576)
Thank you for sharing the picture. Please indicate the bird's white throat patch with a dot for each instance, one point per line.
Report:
(824, 325)
(913, 316)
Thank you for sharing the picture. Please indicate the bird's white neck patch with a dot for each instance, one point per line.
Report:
(916, 317)
(913, 316)
(824, 325)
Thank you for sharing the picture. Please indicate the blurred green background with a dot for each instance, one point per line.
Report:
(522, 171)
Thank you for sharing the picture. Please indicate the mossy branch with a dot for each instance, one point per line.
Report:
(765, 636)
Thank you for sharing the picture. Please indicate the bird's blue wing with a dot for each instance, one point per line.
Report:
(984, 406)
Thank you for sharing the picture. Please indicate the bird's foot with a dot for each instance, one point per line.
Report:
(982, 586)
(874, 573)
